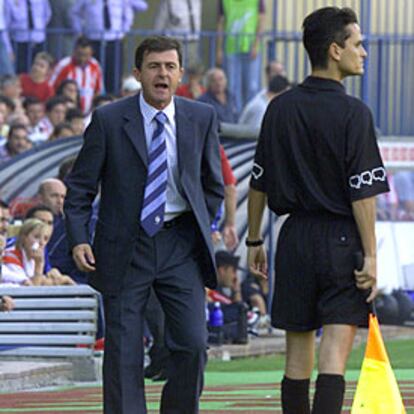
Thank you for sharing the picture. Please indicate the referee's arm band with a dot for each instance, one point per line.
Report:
(254, 243)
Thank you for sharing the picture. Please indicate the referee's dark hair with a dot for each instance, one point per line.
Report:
(157, 44)
(324, 27)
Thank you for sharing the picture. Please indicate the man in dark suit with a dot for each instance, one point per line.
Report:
(156, 159)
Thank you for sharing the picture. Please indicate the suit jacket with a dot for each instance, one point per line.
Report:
(114, 157)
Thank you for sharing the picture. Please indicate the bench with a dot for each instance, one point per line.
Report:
(51, 322)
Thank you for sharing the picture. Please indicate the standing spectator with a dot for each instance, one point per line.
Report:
(219, 96)
(194, 88)
(317, 159)
(6, 51)
(241, 21)
(55, 114)
(60, 37)
(17, 143)
(35, 83)
(84, 69)
(35, 111)
(181, 19)
(27, 21)
(104, 23)
(255, 109)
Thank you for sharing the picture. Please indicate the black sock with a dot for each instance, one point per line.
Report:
(295, 396)
(329, 394)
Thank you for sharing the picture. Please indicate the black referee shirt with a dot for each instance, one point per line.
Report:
(317, 151)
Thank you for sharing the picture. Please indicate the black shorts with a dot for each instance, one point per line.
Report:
(314, 274)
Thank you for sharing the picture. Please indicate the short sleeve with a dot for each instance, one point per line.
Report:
(366, 175)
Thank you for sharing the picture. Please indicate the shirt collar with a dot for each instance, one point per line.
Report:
(149, 112)
(313, 82)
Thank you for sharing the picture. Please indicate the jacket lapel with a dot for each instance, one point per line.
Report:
(134, 127)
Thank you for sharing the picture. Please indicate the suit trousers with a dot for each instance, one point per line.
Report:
(168, 262)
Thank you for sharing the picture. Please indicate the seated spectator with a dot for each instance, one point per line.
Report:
(255, 109)
(6, 303)
(17, 142)
(75, 119)
(130, 86)
(35, 83)
(4, 218)
(69, 88)
(228, 282)
(254, 293)
(62, 130)
(35, 111)
(55, 113)
(98, 101)
(218, 96)
(6, 109)
(11, 88)
(194, 88)
(24, 265)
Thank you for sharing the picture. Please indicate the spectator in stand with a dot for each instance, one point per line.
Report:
(194, 88)
(17, 143)
(219, 96)
(35, 83)
(6, 303)
(60, 43)
(35, 111)
(69, 89)
(181, 19)
(55, 114)
(24, 264)
(27, 21)
(4, 218)
(242, 51)
(228, 281)
(76, 121)
(62, 130)
(52, 193)
(6, 109)
(404, 185)
(255, 109)
(84, 69)
(104, 23)
(6, 52)
(98, 101)
(130, 86)
(10, 87)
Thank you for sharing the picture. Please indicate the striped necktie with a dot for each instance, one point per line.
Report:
(152, 213)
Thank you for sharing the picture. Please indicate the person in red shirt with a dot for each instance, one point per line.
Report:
(35, 83)
(193, 89)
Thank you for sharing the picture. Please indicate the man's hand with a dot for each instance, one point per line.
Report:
(366, 278)
(230, 237)
(7, 304)
(83, 256)
(257, 261)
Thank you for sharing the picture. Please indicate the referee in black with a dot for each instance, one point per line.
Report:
(318, 160)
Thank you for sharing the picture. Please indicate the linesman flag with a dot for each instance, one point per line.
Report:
(377, 391)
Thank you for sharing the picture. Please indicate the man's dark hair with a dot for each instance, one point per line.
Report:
(52, 102)
(31, 100)
(83, 42)
(3, 204)
(73, 113)
(157, 44)
(99, 99)
(8, 102)
(278, 84)
(32, 211)
(13, 128)
(324, 27)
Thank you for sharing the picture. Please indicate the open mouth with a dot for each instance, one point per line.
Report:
(161, 86)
